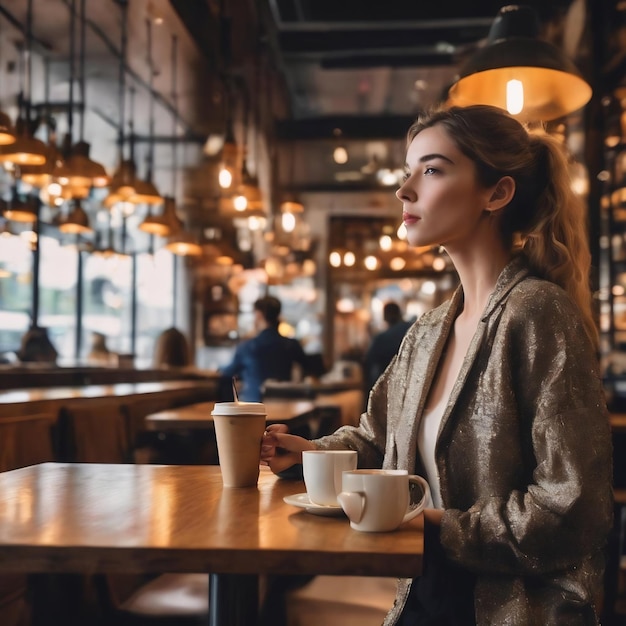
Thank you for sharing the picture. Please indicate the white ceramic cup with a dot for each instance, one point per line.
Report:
(378, 500)
(322, 471)
(239, 428)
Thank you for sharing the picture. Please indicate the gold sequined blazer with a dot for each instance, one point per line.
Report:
(523, 451)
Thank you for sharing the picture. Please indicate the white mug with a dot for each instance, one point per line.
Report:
(378, 500)
(322, 470)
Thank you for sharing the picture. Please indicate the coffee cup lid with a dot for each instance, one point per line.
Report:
(238, 408)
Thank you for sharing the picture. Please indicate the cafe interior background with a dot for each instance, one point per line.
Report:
(201, 153)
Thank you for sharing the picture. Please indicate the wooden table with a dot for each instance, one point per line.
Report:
(199, 415)
(37, 399)
(92, 518)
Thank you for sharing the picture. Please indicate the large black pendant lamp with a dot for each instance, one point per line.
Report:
(531, 78)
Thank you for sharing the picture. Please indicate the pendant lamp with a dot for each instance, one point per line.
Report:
(181, 242)
(77, 221)
(145, 190)
(25, 149)
(19, 210)
(531, 78)
(7, 134)
(123, 182)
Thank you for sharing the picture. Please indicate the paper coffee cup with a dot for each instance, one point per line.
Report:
(239, 428)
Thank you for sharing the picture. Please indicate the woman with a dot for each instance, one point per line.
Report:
(494, 396)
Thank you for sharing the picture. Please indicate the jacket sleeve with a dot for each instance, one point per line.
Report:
(369, 437)
(565, 512)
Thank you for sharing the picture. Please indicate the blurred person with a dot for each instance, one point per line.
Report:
(385, 344)
(36, 347)
(267, 356)
(172, 349)
(495, 396)
(99, 353)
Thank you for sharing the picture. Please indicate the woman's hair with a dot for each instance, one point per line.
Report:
(172, 349)
(544, 211)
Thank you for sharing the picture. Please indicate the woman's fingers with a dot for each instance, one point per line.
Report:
(280, 450)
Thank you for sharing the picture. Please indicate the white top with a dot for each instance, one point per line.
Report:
(426, 441)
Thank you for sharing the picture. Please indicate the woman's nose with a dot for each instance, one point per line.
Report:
(404, 194)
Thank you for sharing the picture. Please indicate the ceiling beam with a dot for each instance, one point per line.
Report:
(352, 127)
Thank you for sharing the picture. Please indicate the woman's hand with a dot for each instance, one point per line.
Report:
(280, 450)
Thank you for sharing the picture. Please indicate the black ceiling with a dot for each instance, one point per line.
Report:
(370, 66)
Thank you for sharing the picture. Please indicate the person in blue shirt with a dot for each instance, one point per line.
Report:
(385, 344)
(268, 355)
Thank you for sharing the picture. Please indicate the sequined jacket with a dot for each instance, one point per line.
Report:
(523, 451)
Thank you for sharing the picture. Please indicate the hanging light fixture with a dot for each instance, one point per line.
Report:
(145, 190)
(122, 184)
(250, 188)
(19, 210)
(7, 134)
(533, 79)
(180, 242)
(229, 165)
(80, 170)
(25, 150)
(77, 221)
(290, 205)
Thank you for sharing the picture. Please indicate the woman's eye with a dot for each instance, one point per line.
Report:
(430, 170)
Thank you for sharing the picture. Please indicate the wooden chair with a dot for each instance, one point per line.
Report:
(328, 600)
(164, 600)
(178, 448)
(24, 440)
(94, 434)
(341, 601)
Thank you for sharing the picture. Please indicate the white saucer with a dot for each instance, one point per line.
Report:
(301, 500)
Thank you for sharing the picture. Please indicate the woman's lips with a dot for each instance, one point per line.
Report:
(407, 218)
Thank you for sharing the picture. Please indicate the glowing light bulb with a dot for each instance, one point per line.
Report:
(349, 259)
(514, 96)
(385, 243)
(240, 203)
(225, 178)
(340, 155)
(335, 259)
(288, 222)
(370, 262)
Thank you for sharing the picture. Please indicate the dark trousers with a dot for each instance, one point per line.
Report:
(444, 594)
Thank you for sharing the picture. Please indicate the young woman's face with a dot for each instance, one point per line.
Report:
(442, 200)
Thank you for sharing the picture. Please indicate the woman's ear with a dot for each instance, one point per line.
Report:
(502, 194)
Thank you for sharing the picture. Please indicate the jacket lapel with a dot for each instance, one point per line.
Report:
(416, 372)
(512, 274)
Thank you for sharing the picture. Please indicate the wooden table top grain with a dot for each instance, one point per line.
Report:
(199, 415)
(92, 518)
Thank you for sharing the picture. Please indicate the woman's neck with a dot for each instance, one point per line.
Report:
(479, 274)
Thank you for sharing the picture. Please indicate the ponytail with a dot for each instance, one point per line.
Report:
(555, 241)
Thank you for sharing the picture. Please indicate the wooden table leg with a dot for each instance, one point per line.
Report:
(233, 600)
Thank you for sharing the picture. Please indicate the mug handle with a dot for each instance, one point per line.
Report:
(416, 508)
